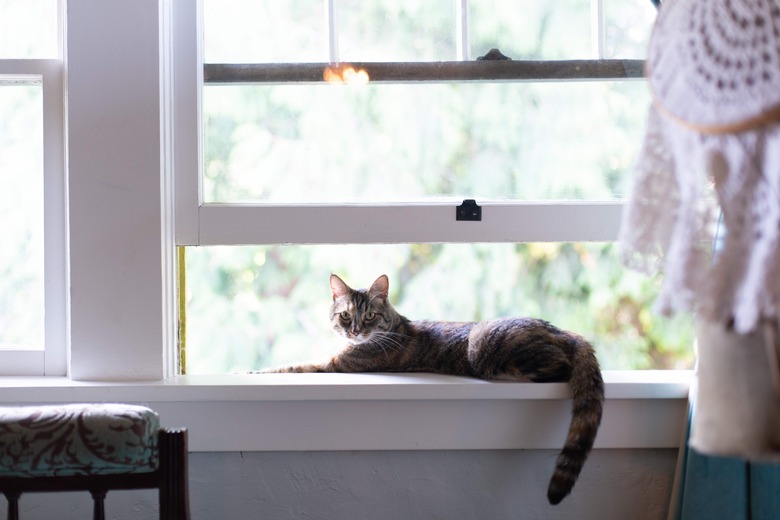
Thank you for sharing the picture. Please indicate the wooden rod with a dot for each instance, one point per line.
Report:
(432, 72)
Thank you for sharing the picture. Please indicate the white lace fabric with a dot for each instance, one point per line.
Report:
(669, 222)
(714, 71)
(715, 64)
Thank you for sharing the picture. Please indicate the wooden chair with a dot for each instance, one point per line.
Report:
(95, 448)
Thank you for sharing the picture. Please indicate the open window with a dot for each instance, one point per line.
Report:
(343, 136)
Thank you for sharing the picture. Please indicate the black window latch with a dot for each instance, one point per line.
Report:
(469, 210)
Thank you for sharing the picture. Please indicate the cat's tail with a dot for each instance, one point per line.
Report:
(587, 389)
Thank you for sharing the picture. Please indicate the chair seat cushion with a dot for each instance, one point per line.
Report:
(77, 439)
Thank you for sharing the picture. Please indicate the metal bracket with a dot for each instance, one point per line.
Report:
(469, 210)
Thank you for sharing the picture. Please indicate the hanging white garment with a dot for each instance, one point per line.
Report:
(714, 71)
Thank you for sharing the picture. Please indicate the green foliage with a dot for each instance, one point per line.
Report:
(253, 307)
(330, 143)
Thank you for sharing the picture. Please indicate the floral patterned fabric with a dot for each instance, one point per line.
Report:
(77, 439)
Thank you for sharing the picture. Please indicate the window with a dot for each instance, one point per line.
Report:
(33, 326)
(120, 259)
(300, 177)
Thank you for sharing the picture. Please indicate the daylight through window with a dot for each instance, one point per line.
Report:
(301, 177)
(32, 190)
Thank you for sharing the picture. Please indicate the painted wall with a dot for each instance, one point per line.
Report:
(391, 485)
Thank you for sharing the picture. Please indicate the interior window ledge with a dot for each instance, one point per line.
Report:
(280, 412)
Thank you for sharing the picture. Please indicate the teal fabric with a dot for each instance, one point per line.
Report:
(714, 488)
(764, 491)
(77, 439)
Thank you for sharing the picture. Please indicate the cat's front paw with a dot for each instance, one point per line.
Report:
(268, 371)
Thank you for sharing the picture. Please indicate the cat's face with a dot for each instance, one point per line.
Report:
(360, 314)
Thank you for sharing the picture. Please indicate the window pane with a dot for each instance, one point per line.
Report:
(532, 29)
(254, 307)
(21, 216)
(627, 28)
(264, 31)
(396, 30)
(392, 143)
(28, 29)
(269, 31)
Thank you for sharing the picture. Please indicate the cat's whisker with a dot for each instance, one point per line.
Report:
(387, 339)
(386, 346)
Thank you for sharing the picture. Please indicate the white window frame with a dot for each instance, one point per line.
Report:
(120, 132)
(51, 357)
(200, 223)
(122, 255)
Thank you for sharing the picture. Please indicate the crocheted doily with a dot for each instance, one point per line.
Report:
(716, 64)
(711, 126)
(671, 217)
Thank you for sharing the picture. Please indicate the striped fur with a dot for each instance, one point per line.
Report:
(381, 340)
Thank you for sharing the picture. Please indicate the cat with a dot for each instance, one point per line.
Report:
(528, 349)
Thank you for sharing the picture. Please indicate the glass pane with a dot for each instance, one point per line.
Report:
(21, 216)
(254, 307)
(28, 29)
(396, 30)
(627, 28)
(394, 143)
(264, 31)
(531, 29)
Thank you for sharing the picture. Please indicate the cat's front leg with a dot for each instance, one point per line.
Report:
(335, 364)
(292, 369)
(347, 361)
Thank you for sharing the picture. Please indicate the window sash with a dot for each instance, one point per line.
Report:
(199, 223)
(52, 359)
(225, 224)
(113, 343)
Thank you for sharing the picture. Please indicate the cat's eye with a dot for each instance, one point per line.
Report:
(345, 316)
(370, 316)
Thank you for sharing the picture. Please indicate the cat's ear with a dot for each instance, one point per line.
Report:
(337, 287)
(380, 287)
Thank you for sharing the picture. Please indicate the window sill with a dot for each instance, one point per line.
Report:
(303, 412)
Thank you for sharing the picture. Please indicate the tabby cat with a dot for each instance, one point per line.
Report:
(381, 340)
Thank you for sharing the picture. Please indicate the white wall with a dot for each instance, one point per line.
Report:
(391, 485)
